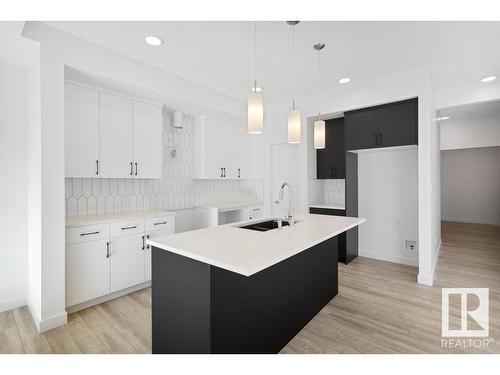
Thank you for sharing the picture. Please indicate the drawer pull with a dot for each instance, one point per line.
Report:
(107, 249)
(89, 233)
(148, 241)
(131, 227)
(161, 223)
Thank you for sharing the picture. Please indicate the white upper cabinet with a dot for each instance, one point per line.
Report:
(220, 150)
(116, 136)
(81, 117)
(147, 132)
(111, 136)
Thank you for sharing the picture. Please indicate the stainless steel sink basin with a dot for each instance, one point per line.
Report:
(264, 226)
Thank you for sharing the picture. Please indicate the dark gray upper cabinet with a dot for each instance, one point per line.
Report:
(330, 161)
(389, 125)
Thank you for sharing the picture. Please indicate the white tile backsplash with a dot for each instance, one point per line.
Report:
(176, 190)
(327, 192)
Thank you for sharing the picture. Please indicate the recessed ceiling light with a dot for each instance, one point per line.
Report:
(344, 80)
(153, 40)
(443, 118)
(488, 79)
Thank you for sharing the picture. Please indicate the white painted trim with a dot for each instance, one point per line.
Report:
(107, 297)
(388, 258)
(52, 322)
(11, 304)
(470, 221)
(425, 279)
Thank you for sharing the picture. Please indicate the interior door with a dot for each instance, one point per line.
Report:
(116, 132)
(360, 128)
(87, 271)
(397, 124)
(127, 261)
(147, 140)
(81, 131)
(284, 162)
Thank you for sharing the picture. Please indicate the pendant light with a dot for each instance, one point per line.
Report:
(255, 102)
(319, 125)
(293, 115)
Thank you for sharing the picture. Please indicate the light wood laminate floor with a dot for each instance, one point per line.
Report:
(379, 309)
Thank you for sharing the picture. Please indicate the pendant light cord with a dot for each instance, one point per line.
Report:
(255, 54)
(319, 84)
(294, 82)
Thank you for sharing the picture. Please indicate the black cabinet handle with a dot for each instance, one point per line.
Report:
(239, 173)
(143, 243)
(136, 168)
(89, 233)
(222, 172)
(131, 168)
(148, 242)
(131, 227)
(107, 249)
(97, 167)
(160, 223)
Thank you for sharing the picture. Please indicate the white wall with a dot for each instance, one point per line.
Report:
(471, 185)
(480, 132)
(388, 199)
(13, 187)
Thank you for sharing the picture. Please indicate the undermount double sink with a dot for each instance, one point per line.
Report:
(264, 226)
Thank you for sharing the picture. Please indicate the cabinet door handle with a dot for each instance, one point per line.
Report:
(147, 247)
(221, 172)
(107, 249)
(97, 167)
(224, 172)
(131, 168)
(239, 172)
(161, 223)
(89, 233)
(131, 227)
(136, 168)
(143, 243)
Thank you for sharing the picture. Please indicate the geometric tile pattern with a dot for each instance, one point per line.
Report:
(176, 190)
(331, 191)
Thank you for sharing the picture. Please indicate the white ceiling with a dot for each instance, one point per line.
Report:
(220, 54)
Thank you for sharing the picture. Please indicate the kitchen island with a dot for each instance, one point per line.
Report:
(239, 288)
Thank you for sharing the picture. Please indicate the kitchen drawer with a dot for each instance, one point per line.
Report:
(160, 223)
(87, 233)
(128, 227)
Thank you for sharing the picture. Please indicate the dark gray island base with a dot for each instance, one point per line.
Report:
(200, 308)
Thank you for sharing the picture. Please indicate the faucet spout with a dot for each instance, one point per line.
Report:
(290, 215)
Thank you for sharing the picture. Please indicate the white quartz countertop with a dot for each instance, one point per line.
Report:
(77, 221)
(331, 206)
(247, 251)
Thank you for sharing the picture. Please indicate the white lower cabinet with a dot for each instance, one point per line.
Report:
(107, 258)
(127, 262)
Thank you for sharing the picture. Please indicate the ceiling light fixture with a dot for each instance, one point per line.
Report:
(153, 40)
(344, 80)
(294, 115)
(255, 102)
(319, 125)
(488, 79)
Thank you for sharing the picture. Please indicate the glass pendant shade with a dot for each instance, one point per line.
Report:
(319, 134)
(294, 126)
(255, 112)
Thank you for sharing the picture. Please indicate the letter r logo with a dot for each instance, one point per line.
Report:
(479, 315)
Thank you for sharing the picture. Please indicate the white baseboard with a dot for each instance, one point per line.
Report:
(107, 297)
(388, 257)
(11, 304)
(52, 322)
(425, 279)
(470, 221)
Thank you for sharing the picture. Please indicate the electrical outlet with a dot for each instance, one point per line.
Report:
(410, 245)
